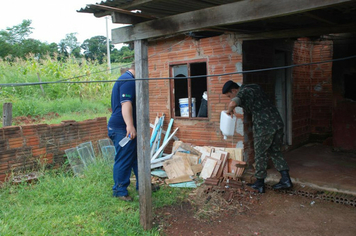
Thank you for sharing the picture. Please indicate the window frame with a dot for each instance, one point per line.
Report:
(172, 92)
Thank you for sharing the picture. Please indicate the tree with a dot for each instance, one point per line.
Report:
(17, 33)
(5, 48)
(124, 55)
(70, 44)
(95, 48)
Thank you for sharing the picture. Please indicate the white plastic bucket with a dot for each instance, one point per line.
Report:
(227, 124)
(184, 109)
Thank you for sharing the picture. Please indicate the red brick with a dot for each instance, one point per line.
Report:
(38, 151)
(16, 142)
(32, 141)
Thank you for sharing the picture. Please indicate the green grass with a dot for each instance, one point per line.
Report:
(61, 204)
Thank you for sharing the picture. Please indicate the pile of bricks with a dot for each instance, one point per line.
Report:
(232, 190)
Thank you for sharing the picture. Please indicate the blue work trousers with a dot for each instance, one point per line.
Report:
(125, 162)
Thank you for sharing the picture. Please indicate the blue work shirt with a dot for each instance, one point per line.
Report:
(122, 91)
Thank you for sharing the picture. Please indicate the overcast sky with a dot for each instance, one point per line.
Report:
(52, 19)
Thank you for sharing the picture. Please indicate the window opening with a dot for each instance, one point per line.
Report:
(189, 91)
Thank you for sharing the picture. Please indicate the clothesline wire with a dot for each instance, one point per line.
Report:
(188, 77)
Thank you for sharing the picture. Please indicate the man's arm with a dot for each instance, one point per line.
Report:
(236, 101)
(128, 118)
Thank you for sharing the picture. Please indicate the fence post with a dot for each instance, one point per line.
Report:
(7, 114)
(39, 78)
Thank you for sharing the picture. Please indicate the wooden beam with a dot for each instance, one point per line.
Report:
(143, 131)
(233, 13)
(119, 18)
(320, 19)
(306, 32)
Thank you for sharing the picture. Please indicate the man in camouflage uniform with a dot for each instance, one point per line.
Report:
(267, 130)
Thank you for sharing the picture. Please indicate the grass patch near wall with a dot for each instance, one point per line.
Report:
(62, 204)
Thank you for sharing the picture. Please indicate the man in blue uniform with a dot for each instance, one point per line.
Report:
(122, 123)
(267, 131)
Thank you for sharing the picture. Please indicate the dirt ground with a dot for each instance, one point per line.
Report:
(272, 213)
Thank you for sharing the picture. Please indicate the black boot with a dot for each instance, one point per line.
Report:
(258, 185)
(285, 182)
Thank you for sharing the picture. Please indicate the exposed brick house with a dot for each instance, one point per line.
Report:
(219, 37)
(305, 98)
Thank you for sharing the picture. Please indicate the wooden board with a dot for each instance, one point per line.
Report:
(180, 179)
(224, 158)
(177, 167)
(194, 159)
(208, 168)
(197, 168)
(235, 153)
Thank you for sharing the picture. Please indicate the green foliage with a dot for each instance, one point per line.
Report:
(61, 204)
(95, 48)
(14, 44)
(70, 45)
(81, 100)
(124, 55)
(18, 33)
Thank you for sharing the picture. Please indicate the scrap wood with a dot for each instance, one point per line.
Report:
(205, 151)
(224, 158)
(167, 134)
(159, 161)
(177, 167)
(164, 144)
(164, 132)
(194, 159)
(160, 132)
(208, 168)
(179, 145)
(197, 168)
(155, 130)
(235, 153)
(180, 179)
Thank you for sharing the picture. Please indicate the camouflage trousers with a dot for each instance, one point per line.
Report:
(269, 146)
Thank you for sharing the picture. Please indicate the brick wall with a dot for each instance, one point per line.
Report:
(301, 91)
(312, 90)
(23, 147)
(223, 54)
(321, 88)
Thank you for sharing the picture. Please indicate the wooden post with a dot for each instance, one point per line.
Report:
(39, 79)
(143, 134)
(7, 114)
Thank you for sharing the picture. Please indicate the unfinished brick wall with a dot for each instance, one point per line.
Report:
(223, 54)
(312, 89)
(24, 147)
(321, 88)
(301, 91)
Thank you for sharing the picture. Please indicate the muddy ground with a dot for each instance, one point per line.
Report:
(272, 213)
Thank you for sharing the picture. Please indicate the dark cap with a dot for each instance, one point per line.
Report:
(229, 85)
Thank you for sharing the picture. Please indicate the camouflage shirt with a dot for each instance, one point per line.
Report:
(265, 116)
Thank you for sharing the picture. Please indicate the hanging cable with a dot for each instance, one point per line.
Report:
(190, 77)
